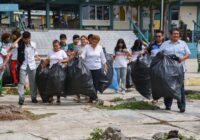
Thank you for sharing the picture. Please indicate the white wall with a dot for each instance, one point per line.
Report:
(121, 25)
(188, 14)
(96, 23)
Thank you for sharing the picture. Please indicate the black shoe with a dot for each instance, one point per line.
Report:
(182, 110)
(34, 101)
(21, 102)
(167, 108)
(58, 101)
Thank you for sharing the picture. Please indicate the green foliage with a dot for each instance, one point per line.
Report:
(37, 116)
(133, 105)
(96, 134)
(117, 99)
(195, 96)
(180, 136)
(27, 91)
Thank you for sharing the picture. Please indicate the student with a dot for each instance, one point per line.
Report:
(4, 56)
(72, 46)
(154, 47)
(6, 41)
(26, 59)
(16, 37)
(76, 39)
(89, 38)
(94, 59)
(84, 42)
(120, 63)
(63, 42)
(78, 51)
(56, 55)
(177, 47)
(137, 49)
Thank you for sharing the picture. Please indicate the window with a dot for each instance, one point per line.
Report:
(92, 12)
(175, 13)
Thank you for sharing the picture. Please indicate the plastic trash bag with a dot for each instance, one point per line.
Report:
(129, 81)
(56, 80)
(7, 78)
(114, 85)
(41, 80)
(166, 77)
(79, 79)
(106, 77)
(141, 76)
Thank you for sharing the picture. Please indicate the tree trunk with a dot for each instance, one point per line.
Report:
(151, 21)
(166, 21)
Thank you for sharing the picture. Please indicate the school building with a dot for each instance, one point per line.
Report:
(100, 15)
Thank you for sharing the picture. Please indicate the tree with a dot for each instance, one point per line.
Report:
(152, 5)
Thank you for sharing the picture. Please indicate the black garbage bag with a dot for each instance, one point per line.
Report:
(7, 78)
(79, 79)
(106, 77)
(166, 77)
(141, 77)
(56, 80)
(129, 81)
(41, 81)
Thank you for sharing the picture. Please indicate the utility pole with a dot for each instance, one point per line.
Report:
(162, 15)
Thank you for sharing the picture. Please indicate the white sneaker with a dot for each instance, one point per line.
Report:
(123, 92)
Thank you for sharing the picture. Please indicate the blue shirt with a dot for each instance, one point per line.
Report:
(179, 48)
(154, 49)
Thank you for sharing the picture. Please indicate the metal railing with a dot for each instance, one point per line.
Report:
(196, 32)
(138, 32)
(21, 24)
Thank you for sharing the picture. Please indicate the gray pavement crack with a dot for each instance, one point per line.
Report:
(43, 138)
(169, 123)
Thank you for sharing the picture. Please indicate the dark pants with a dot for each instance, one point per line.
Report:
(95, 76)
(181, 104)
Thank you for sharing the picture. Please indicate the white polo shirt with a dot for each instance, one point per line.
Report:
(29, 55)
(94, 57)
(179, 48)
(54, 57)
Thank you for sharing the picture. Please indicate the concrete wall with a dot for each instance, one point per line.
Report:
(96, 22)
(121, 25)
(188, 14)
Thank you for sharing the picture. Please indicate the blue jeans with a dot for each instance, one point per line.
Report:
(121, 75)
(181, 104)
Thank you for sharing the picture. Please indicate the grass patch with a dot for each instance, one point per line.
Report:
(96, 134)
(180, 136)
(195, 96)
(27, 91)
(37, 116)
(133, 105)
(117, 99)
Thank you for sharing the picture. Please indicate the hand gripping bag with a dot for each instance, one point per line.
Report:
(56, 80)
(79, 79)
(141, 76)
(166, 77)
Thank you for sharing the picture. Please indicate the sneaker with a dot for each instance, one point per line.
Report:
(123, 92)
(34, 101)
(167, 108)
(21, 102)
(182, 110)
(58, 102)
